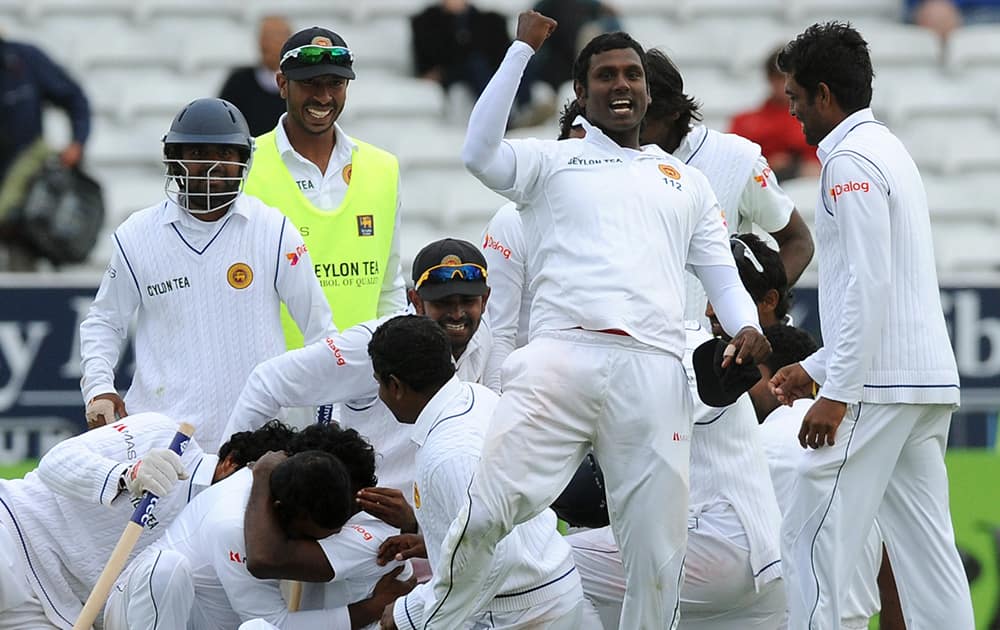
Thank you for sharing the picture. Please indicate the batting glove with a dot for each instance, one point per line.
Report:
(100, 411)
(157, 471)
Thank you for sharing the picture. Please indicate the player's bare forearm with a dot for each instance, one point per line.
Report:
(386, 591)
(271, 554)
(795, 246)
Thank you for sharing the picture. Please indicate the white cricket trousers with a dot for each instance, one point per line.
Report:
(156, 592)
(563, 393)
(20, 608)
(888, 461)
(718, 592)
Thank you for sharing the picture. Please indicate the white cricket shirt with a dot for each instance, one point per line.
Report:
(745, 186)
(326, 191)
(208, 312)
(884, 334)
(339, 370)
(67, 514)
(609, 226)
(209, 533)
(532, 564)
(352, 554)
(509, 308)
(728, 465)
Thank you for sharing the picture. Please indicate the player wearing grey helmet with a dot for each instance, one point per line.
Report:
(206, 270)
(199, 179)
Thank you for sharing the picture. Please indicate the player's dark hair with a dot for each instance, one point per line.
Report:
(346, 445)
(788, 345)
(758, 284)
(604, 43)
(568, 114)
(835, 54)
(249, 446)
(414, 349)
(315, 485)
(666, 87)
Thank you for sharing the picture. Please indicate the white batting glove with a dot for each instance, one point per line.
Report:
(100, 411)
(157, 471)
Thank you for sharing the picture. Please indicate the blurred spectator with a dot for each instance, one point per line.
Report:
(454, 42)
(579, 21)
(944, 16)
(779, 135)
(253, 89)
(28, 80)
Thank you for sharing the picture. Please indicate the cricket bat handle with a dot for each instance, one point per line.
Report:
(119, 556)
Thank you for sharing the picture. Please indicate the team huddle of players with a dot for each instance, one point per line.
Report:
(747, 478)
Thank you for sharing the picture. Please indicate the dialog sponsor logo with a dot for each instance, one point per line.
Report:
(849, 187)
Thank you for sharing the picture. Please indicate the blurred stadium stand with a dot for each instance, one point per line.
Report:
(141, 61)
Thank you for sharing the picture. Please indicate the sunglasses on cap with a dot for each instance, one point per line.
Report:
(313, 54)
(439, 274)
(742, 251)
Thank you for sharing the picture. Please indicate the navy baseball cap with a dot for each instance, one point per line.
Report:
(449, 267)
(719, 387)
(314, 52)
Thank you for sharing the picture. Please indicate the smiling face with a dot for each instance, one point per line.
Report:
(314, 104)
(808, 109)
(457, 315)
(615, 95)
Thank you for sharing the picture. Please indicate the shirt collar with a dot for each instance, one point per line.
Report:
(832, 139)
(594, 135)
(284, 145)
(203, 475)
(435, 407)
(176, 214)
(690, 142)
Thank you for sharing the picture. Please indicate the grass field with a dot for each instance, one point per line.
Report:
(16, 471)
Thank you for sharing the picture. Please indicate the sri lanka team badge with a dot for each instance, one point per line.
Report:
(416, 496)
(669, 171)
(366, 225)
(239, 275)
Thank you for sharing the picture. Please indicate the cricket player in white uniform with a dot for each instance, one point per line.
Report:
(64, 518)
(743, 182)
(195, 575)
(779, 434)
(887, 374)
(207, 270)
(732, 566)
(613, 227)
(340, 573)
(338, 369)
(740, 176)
(532, 582)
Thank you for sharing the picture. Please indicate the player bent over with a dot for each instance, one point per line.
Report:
(60, 523)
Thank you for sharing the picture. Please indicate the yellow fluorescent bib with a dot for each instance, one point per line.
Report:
(349, 246)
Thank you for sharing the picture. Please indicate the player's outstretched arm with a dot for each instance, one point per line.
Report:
(484, 153)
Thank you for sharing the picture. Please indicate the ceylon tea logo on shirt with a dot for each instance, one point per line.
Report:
(346, 173)
(239, 275)
(416, 496)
